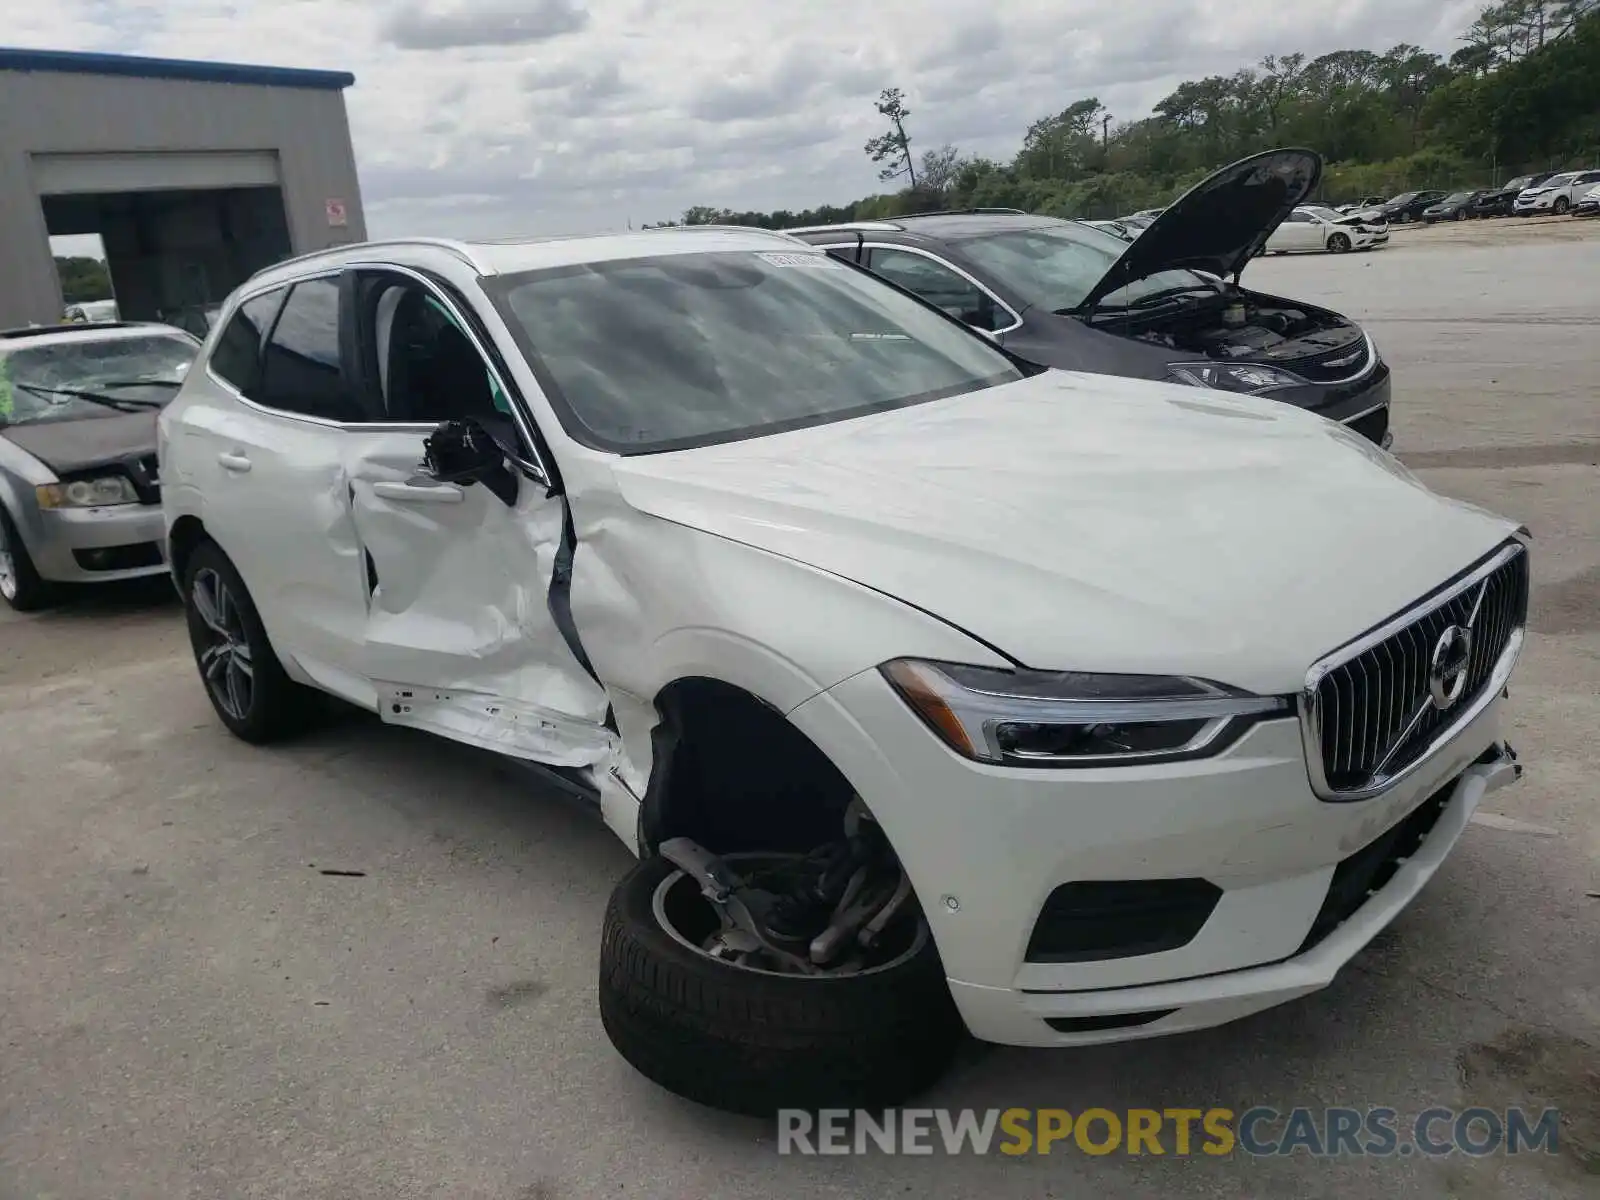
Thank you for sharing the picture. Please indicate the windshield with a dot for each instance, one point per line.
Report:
(1057, 266)
(1458, 197)
(650, 354)
(1326, 214)
(85, 377)
(1405, 197)
(1560, 180)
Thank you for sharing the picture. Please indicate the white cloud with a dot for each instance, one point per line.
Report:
(504, 116)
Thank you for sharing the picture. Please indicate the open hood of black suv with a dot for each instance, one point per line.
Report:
(1221, 223)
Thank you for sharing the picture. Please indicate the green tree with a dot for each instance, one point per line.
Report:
(83, 279)
(893, 149)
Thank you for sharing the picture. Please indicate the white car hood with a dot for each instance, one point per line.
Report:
(1084, 522)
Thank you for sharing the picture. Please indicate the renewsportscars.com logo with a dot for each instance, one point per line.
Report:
(1178, 1132)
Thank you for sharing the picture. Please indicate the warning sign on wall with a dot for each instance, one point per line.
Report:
(337, 217)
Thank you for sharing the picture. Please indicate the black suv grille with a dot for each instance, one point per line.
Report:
(1374, 713)
(1330, 366)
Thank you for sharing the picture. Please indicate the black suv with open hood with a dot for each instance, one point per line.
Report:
(1166, 306)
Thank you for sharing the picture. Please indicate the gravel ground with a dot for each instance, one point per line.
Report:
(189, 1007)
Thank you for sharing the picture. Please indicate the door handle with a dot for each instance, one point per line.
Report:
(418, 493)
(236, 463)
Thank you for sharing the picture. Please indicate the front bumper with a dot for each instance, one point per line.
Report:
(988, 847)
(97, 545)
(1542, 204)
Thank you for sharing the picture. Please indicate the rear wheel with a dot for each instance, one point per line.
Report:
(243, 678)
(20, 583)
(1338, 243)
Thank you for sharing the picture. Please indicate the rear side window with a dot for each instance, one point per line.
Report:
(300, 370)
(237, 356)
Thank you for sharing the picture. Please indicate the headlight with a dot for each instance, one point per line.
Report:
(88, 493)
(1070, 719)
(1249, 378)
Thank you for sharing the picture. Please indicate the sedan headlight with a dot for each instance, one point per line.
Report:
(1070, 719)
(99, 492)
(1250, 378)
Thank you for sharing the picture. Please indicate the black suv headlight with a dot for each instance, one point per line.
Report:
(1073, 719)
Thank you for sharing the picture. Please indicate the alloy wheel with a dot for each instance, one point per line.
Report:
(225, 662)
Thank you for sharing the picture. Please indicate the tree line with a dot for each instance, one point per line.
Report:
(1522, 93)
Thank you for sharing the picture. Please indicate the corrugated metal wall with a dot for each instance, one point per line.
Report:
(52, 112)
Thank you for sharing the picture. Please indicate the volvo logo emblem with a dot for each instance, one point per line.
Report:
(1447, 669)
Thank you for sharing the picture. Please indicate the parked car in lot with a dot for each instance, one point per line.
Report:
(1312, 227)
(1556, 195)
(1162, 307)
(79, 498)
(1404, 208)
(1457, 206)
(1588, 204)
(1360, 205)
(1499, 202)
(932, 688)
(1136, 223)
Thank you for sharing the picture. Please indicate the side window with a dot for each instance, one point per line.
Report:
(938, 285)
(428, 369)
(237, 356)
(300, 370)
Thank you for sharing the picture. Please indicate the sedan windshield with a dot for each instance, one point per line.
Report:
(87, 376)
(1458, 198)
(1056, 266)
(650, 354)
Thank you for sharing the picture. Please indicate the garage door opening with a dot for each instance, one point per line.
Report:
(180, 249)
(86, 290)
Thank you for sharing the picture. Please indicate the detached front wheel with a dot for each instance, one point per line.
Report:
(703, 1011)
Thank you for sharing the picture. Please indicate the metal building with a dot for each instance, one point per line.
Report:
(194, 174)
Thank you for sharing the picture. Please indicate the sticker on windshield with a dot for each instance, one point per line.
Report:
(801, 260)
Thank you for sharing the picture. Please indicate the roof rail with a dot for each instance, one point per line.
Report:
(964, 212)
(460, 249)
(869, 226)
(736, 228)
(21, 331)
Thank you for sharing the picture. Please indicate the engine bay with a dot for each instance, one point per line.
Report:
(1234, 326)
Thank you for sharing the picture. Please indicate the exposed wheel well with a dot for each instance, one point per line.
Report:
(731, 772)
(187, 533)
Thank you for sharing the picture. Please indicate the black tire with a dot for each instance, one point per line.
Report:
(276, 706)
(751, 1042)
(1461, 214)
(1560, 206)
(21, 587)
(1338, 243)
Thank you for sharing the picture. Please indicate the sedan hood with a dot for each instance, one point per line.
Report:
(1219, 224)
(66, 446)
(1085, 522)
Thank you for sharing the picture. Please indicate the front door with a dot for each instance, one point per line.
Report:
(459, 636)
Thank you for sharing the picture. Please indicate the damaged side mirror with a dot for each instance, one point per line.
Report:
(464, 452)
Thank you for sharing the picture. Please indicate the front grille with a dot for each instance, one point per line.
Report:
(1328, 366)
(1372, 713)
(1367, 870)
(145, 473)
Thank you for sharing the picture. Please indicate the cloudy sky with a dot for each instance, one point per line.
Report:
(494, 117)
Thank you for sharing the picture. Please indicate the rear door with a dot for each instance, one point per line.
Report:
(460, 634)
(270, 464)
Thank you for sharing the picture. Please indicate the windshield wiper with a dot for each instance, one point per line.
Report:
(122, 383)
(121, 404)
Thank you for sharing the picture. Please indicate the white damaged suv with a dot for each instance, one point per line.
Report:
(933, 690)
